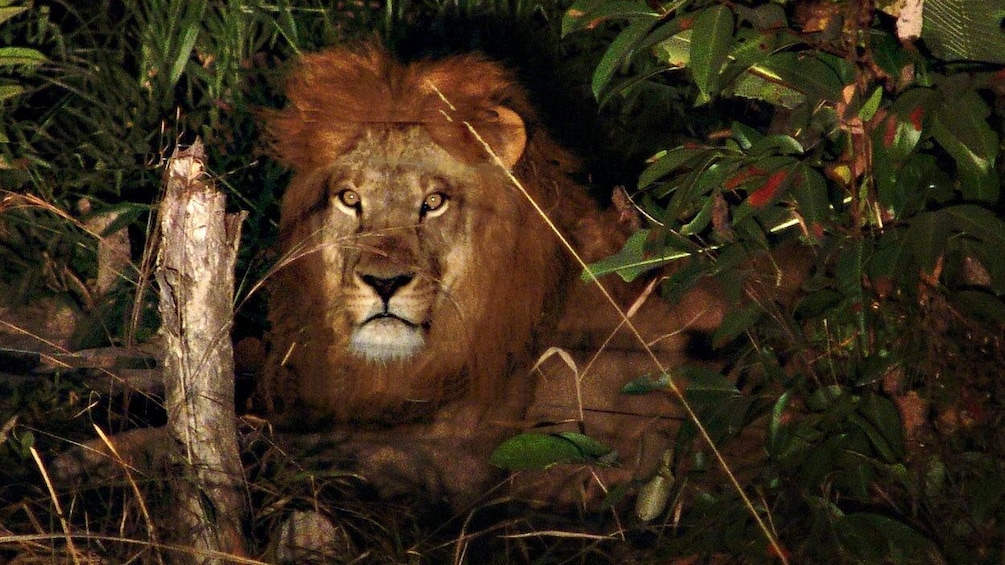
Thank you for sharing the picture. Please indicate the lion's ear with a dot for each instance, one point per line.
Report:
(512, 137)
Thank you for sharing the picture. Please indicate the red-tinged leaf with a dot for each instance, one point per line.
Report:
(917, 117)
(764, 195)
(588, 14)
(889, 131)
(743, 176)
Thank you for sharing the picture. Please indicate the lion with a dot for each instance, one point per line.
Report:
(416, 273)
(420, 278)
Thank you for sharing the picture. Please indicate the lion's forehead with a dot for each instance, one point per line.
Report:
(379, 154)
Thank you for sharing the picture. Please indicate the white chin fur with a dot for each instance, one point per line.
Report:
(387, 339)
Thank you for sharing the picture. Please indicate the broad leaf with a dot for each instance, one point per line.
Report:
(806, 73)
(927, 238)
(960, 126)
(810, 192)
(620, 51)
(669, 162)
(533, 451)
(704, 383)
(710, 42)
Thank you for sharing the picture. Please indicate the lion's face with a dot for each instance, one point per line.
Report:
(395, 222)
(415, 272)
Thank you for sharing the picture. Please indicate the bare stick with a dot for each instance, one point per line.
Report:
(195, 273)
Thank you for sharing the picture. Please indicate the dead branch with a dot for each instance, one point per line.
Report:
(195, 274)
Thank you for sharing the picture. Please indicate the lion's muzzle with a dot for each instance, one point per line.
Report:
(390, 327)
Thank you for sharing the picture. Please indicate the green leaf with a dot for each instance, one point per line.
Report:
(697, 188)
(744, 135)
(647, 383)
(960, 126)
(184, 53)
(888, 431)
(962, 30)
(874, 368)
(675, 52)
(740, 78)
(620, 51)
(927, 238)
(888, 53)
(825, 398)
(849, 271)
(778, 144)
(711, 39)
(534, 451)
(669, 162)
(980, 305)
(735, 323)
(776, 428)
(873, 538)
(7, 13)
(868, 109)
(751, 85)
(891, 257)
(703, 383)
(633, 260)
(10, 56)
(804, 72)
(10, 91)
(700, 220)
(810, 192)
(977, 222)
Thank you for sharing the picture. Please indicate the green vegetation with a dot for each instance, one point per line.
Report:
(871, 403)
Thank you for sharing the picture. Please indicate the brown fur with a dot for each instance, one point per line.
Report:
(480, 338)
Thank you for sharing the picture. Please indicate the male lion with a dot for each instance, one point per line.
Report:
(417, 279)
(415, 273)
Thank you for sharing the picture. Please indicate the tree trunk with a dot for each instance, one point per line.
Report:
(195, 273)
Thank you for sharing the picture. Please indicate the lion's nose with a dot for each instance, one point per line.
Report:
(386, 287)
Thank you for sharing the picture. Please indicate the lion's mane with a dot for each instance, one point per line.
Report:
(478, 352)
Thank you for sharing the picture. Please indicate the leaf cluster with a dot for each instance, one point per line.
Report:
(862, 151)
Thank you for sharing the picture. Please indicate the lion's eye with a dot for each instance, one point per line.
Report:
(349, 198)
(433, 203)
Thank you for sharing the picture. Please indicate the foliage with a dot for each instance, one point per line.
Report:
(881, 162)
